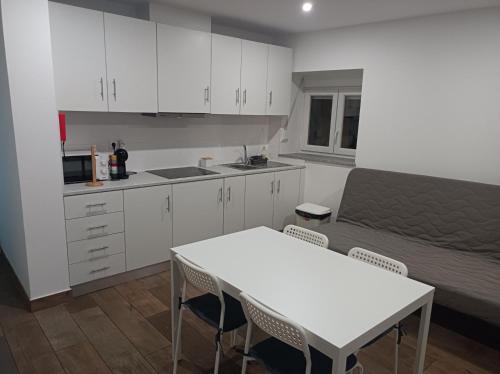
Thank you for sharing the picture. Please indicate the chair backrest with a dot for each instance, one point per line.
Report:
(306, 235)
(380, 261)
(198, 277)
(275, 324)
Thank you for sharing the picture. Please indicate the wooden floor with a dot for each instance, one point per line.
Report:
(126, 329)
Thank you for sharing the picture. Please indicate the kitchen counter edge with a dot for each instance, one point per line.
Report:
(145, 179)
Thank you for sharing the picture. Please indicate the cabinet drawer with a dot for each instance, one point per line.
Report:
(94, 227)
(96, 268)
(85, 250)
(93, 204)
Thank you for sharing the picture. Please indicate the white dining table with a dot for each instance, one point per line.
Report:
(342, 303)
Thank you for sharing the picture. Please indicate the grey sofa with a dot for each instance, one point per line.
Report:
(446, 231)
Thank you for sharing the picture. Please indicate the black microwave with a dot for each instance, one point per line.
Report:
(77, 169)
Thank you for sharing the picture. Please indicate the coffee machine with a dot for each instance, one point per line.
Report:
(121, 158)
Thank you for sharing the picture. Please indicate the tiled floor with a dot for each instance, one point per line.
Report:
(126, 329)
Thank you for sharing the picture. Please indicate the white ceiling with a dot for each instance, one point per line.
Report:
(287, 16)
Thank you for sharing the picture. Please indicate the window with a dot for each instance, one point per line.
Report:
(332, 120)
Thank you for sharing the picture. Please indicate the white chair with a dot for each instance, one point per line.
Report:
(215, 307)
(287, 351)
(306, 235)
(391, 265)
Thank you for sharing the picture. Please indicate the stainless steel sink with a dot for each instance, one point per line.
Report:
(241, 166)
(270, 164)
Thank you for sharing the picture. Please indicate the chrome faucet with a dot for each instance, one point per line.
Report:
(245, 157)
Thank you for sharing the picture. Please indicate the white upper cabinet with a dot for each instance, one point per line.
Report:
(79, 58)
(183, 70)
(131, 64)
(279, 80)
(253, 77)
(226, 69)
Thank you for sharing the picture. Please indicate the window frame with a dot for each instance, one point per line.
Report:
(307, 114)
(336, 123)
(339, 128)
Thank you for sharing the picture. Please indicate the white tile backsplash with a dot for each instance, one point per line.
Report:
(156, 142)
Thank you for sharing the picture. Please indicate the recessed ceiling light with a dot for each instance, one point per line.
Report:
(307, 7)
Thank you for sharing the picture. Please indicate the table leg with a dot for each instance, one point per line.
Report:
(339, 363)
(175, 285)
(423, 333)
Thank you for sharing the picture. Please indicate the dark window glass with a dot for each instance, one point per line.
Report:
(320, 117)
(350, 122)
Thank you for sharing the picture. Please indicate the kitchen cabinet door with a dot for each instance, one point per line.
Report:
(78, 55)
(286, 198)
(234, 204)
(198, 210)
(148, 225)
(131, 64)
(279, 80)
(226, 69)
(183, 70)
(259, 200)
(253, 77)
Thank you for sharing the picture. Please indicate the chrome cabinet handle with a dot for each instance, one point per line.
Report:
(95, 204)
(100, 269)
(207, 95)
(168, 203)
(272, 188)
(98, 258)
(237, 96)
(102, 89)
(90, 229)
(270, 98)
(114, 88)
(93, 250)
(96, 227)
(228, 194)
(279, 186)
(91, 212)
(245, 97)
(219, 195)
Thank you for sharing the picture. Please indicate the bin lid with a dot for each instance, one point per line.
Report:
(314, 209)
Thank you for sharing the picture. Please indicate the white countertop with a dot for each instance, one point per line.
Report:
(145, 179)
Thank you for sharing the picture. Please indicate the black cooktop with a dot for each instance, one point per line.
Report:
(186, 172)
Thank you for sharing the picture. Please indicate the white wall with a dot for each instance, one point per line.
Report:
(11, 215)
(431, 91)
(34, 124)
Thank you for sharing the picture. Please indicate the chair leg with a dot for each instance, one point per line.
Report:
(178, 342)
(217, 357)
(396, 351)
(234, 338)
(361, 368)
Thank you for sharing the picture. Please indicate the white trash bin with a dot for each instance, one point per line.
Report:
(310, 215)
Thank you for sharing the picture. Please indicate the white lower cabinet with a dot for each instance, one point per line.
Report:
(259, 200)
(198, 210)
(94, 227)
(286, 198)
(271, 198)
(234, 204)
(88, 250)
(113, 232)
(96, 268)
(148, 225)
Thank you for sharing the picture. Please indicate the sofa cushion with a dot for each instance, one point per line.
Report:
(464, 281)
(440, 212)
